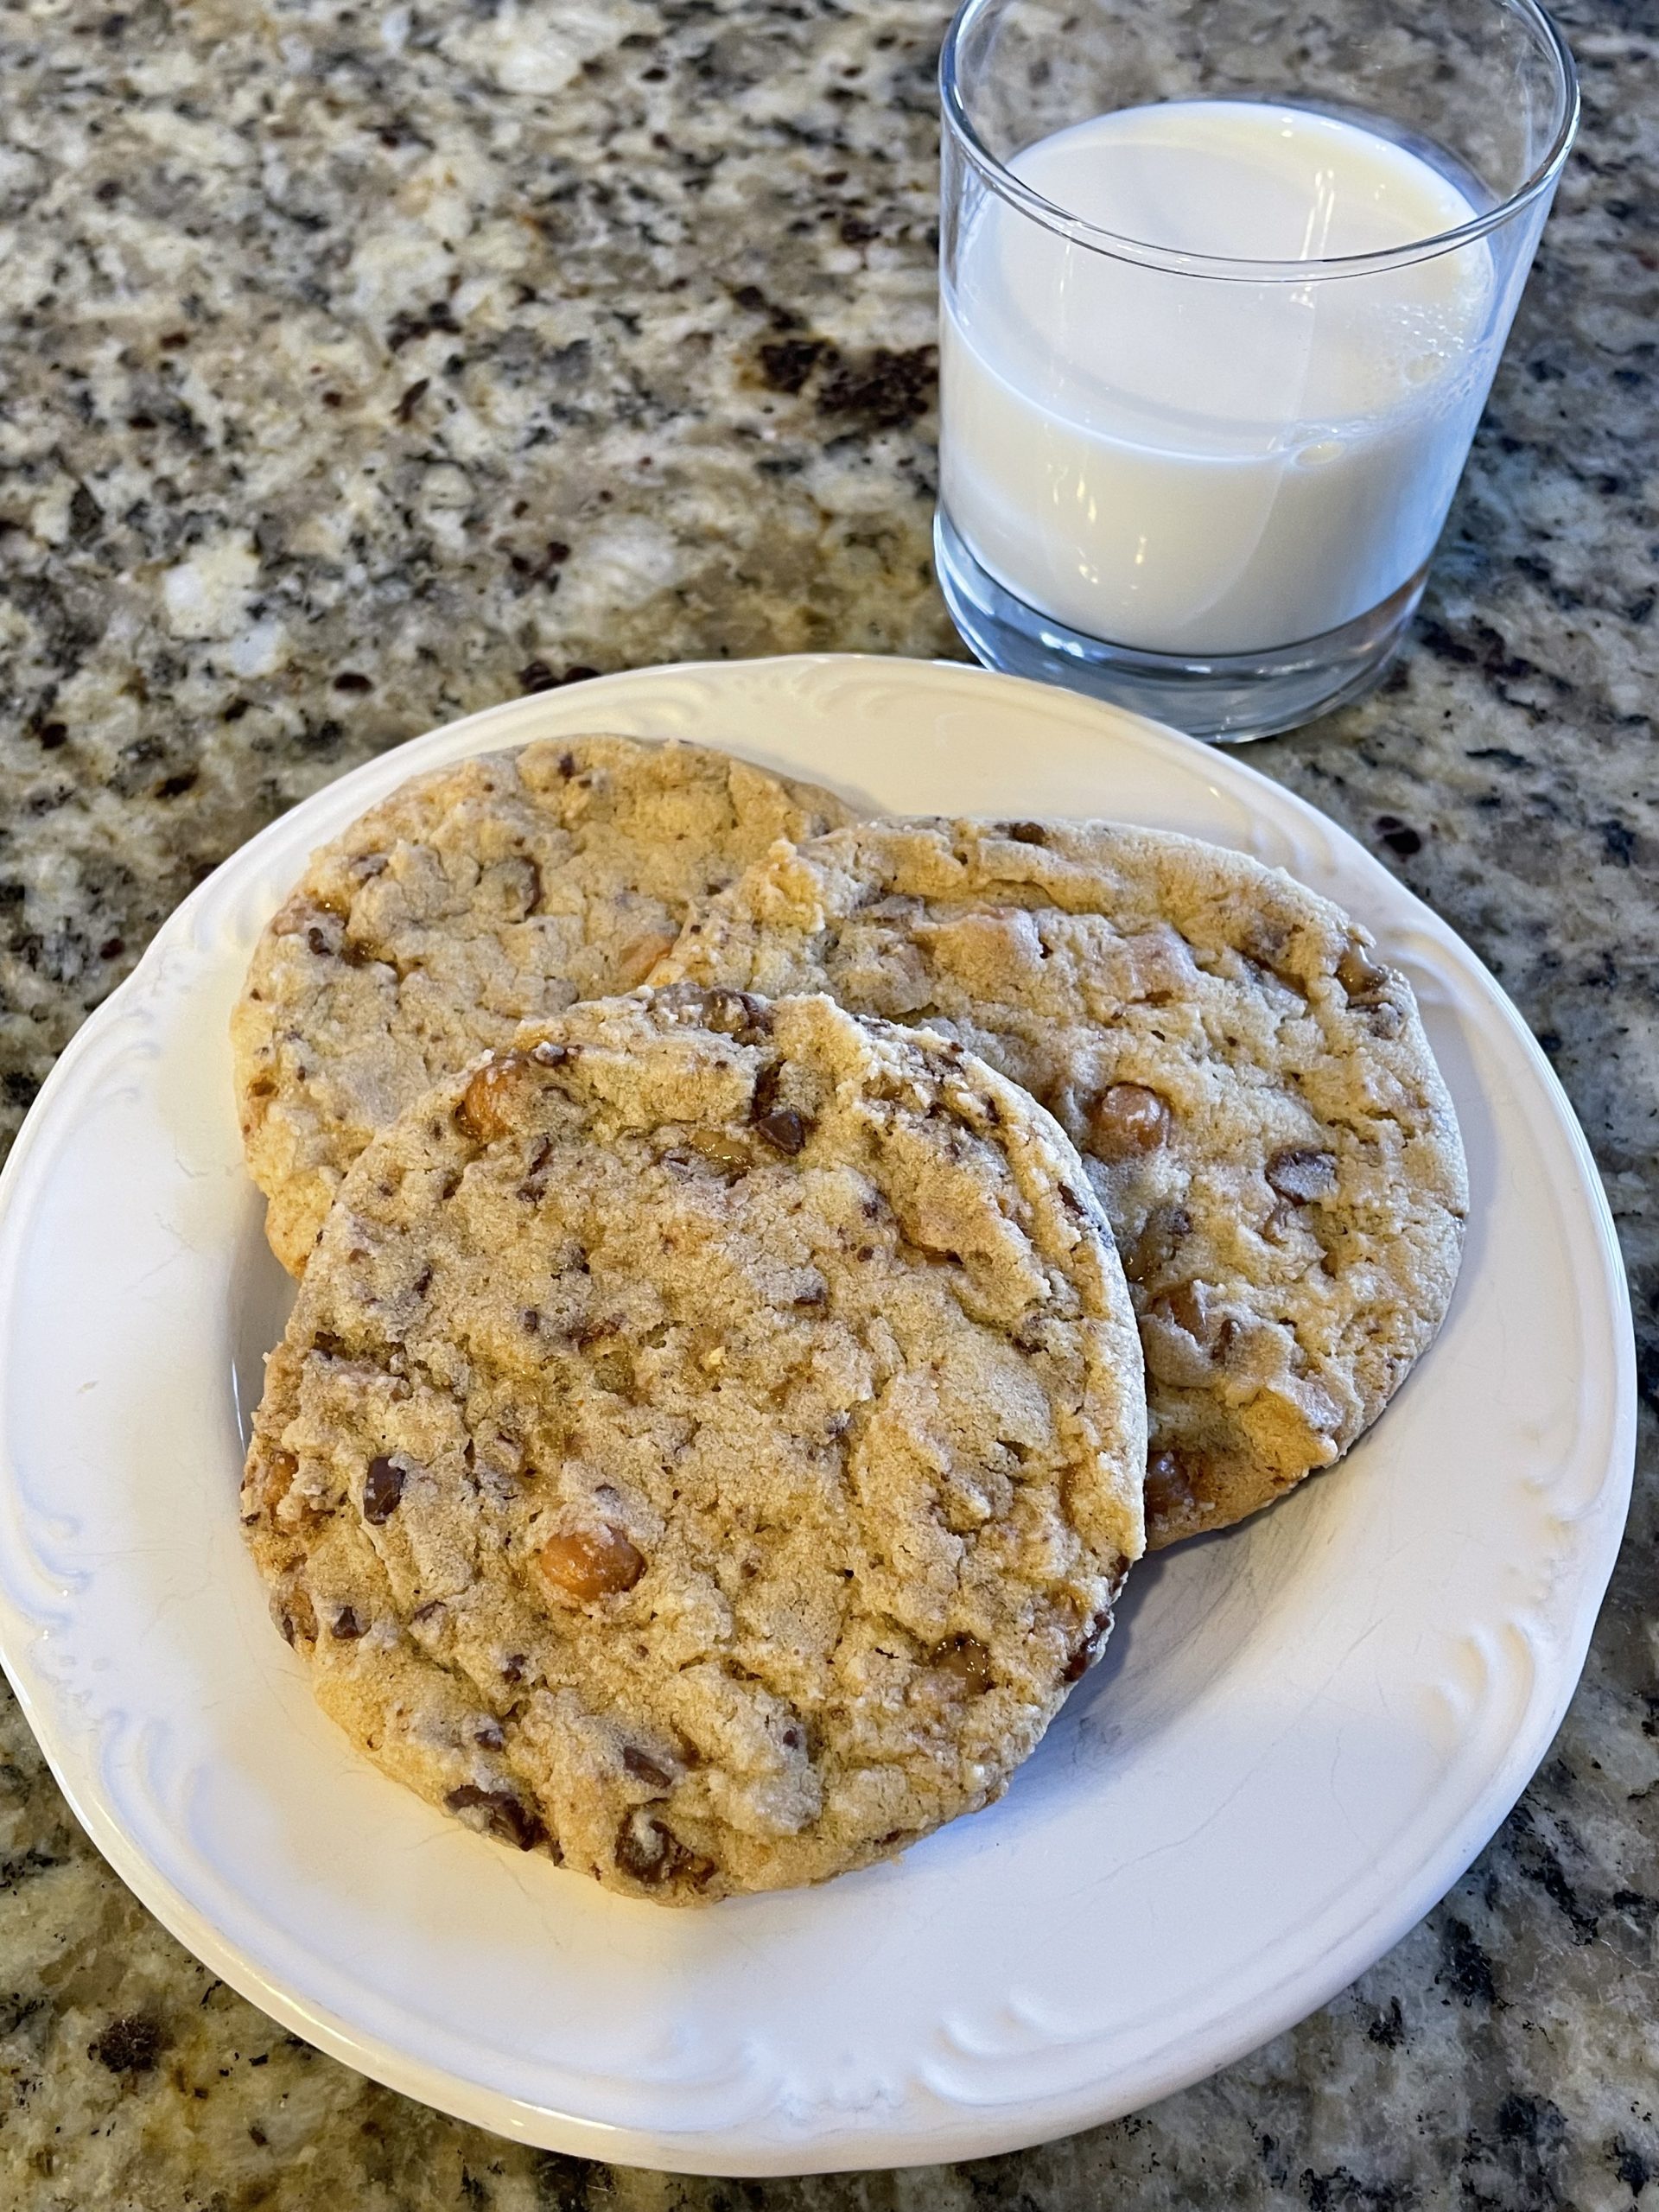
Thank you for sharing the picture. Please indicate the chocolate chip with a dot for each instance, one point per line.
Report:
(1171, 1490)
(490, 1736)
(512, 1666)
(736, 1014)
(296, 1617)
(1303, 1174)
(767, 1083)
(1088, 1650)
(505, 1815)
(650, 1851)
(783, 1127)
(1188, 1306)
(1164, 1228)
(349, 1624)
(383, 1486)
(533, 1189)
(644, 1768)
(1028, 833)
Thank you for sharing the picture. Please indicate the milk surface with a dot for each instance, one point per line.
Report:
(1194, 465)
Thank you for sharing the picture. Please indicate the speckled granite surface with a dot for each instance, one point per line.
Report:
(364, 366)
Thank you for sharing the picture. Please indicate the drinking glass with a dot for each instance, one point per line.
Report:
(1200, 482)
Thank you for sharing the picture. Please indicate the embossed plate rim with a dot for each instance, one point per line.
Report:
(974, 2082)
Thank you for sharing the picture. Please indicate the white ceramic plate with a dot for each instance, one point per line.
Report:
(1302, 1734)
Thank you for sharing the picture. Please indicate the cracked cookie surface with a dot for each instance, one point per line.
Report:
(1250, 1088)
(708, 1442)
(495, 890)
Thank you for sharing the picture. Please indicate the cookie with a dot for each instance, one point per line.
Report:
(1251, 1090)
(494, 892)
(708, 1442)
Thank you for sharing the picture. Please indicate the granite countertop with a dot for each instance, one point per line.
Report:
(363, 365)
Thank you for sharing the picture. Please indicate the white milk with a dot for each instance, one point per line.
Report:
(1194, 466)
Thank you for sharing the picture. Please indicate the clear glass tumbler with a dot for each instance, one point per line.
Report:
(1224, 284)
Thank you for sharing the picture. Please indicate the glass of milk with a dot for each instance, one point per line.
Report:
(1224, 284)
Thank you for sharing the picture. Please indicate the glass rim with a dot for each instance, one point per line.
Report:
(1228, 267)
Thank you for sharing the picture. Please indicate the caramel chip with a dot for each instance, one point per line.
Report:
(590, 1563)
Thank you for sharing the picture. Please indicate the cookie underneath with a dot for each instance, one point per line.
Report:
(1249, 1086)
(496, 891)
(707, 1443)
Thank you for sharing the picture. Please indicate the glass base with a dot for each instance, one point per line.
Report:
(1231, 697)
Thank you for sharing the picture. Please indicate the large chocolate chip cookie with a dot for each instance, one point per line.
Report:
(708, 1442)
